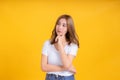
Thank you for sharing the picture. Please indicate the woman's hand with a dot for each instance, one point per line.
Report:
(60, 43)
(72, 69)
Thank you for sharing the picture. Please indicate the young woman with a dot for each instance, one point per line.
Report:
(59, 51)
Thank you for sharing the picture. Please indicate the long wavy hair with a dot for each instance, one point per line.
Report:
(71, 35)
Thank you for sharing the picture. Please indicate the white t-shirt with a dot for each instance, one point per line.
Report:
(54, 57)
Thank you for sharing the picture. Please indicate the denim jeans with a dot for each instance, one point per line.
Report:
(58, 77)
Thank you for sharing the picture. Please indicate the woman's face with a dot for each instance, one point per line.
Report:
(61, 27)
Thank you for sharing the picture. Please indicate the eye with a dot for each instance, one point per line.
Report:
(64, 25)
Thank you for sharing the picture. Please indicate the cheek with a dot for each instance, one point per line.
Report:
(56, 28)
(65, 30)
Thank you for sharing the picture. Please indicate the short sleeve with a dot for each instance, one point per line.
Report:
(45, 48)
(73, 49)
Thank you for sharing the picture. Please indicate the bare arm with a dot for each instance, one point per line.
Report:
(48, 67)
(53, 68)
(66, 59)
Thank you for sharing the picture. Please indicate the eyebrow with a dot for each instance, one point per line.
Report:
(60, 22)
(65, 23)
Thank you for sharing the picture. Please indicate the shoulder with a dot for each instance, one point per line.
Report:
(73, 48)
(73, 45)
(47, 42)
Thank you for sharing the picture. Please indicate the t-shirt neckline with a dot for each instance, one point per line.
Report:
(57, 50)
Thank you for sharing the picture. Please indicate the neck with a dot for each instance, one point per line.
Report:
(65, 42)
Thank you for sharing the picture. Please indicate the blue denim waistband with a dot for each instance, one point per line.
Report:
(58, 77)
(55, 75)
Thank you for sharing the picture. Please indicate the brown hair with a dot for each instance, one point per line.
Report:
(71, 35)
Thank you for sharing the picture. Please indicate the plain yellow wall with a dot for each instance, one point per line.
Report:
(25, 25)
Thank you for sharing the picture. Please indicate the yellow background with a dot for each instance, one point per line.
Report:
(25, 25)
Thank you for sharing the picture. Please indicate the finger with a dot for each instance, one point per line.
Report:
(74, 71)
(62, 36)
(56, 39)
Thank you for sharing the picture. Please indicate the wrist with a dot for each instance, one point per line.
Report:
(61, 50)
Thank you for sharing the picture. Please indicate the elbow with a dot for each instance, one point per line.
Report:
(44, 69)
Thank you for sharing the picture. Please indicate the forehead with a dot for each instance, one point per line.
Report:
(62, 20)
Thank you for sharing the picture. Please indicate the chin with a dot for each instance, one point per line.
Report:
(59, 34)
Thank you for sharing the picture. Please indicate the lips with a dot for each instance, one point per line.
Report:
(60, 31)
